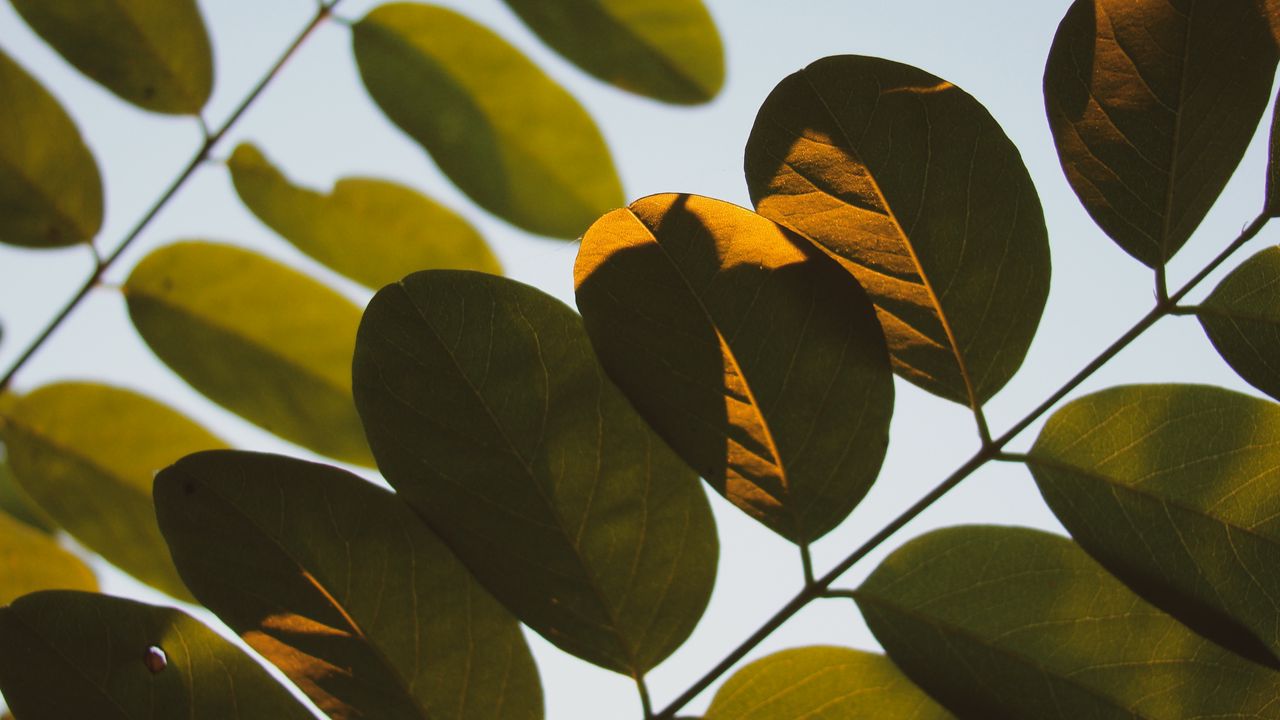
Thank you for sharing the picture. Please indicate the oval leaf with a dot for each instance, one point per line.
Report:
(152, 53)
(913, 186)
(67, 654)
(1152, 104)
(758, 359)
(507, 134)
(822, 683)
(339, 584)
(374, 232)
(1176, 490)
(1242, 319)
(34, 561)
(488, 413)
(256, 337)
(666, 49)
(999, 622)
(50, 189)
(87, 453)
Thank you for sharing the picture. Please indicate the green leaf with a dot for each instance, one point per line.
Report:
(1176, 490)
(34, 561)
(1242, 319)
(87, 453)
(50, 189)
(1152, 104)
(913, 186)
(16, 504)
(339, 584)
(666, 49)
(152, 53)
(507, 134)
(488, 413)
(822, 683)
(753, 355)
(373, 231)
(67, 654)
(257, 337)
(998, 622)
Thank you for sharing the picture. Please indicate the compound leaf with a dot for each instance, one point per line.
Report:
(507, 134)
(916, 190)
(261, 339)
(1152, 104)
(489, 414)
(1242, 319)
(32, 561)
(752, 354)
(999, 622)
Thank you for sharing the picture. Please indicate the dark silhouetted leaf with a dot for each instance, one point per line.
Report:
(31, 561)
(488, 413)
(666, 49)
(1152, 104)
(50, 190)
(374, 232)
(913, 186)
(822, 683)
(508, 135)
(66, 654)
(339, 584)
(152, 53)
(87, 453)
(14, 500)
(1176, 490)
(756, 357)
(1242, 319)
(256, 337)
(998, 622)
(1273, 163)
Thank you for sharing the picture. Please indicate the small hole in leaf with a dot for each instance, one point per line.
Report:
(155, 659)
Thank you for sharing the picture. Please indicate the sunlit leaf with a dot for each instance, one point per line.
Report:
(31, 560)
(256, 337)
(1152, 104)
(998, 622)
(913, 186)
(373, 231)
(488, 413)
(1176, 490)
(152, 53)
(755, 356)
(1242, 319)
(86, 454)
(822, 683)
(50, 189)
(14, 500)
(339, 584)
(67, 654)
(666, 49)
(507, 134)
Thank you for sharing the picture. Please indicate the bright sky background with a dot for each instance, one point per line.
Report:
(317, 124)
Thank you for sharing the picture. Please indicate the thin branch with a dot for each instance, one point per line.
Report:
(161, 202)
(806, 560)
(645, 703)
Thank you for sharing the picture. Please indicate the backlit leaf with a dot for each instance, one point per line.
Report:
(256, 337)
(31, 560)
(373, 231)
(998, 622)
(822, 683)
(1242, 319)
(489, 414)
(87, 453)
(1152, 104)
(913, 186)
(756, 357)
(1176, 490)
(339, 584)
(66, 654)
(507, 134)
(16, 504)
(50, 189)
(152, 53)
(666, 49)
